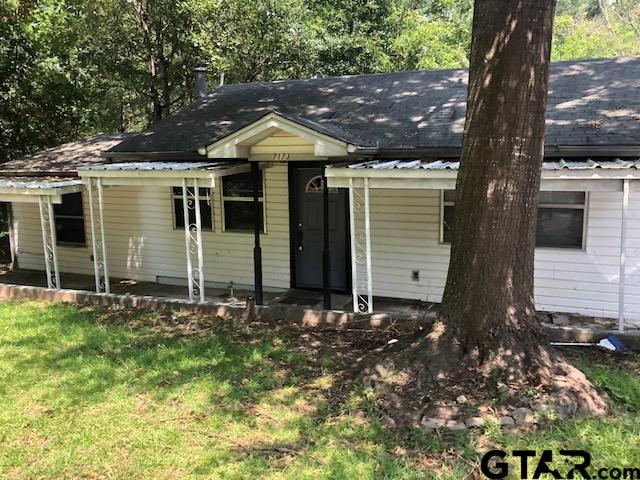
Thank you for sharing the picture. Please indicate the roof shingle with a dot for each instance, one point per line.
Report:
(591, 102)
(65, 158)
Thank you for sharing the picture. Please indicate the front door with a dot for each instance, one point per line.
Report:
(307, 232)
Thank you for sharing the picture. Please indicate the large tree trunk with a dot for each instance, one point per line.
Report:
(487, 329)
(489, 292)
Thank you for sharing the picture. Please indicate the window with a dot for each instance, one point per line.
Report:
(237, 202)
(206, 208)
(315, 185)
(561, 219)
(69, 220)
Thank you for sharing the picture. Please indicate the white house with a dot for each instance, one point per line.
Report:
(342, 184)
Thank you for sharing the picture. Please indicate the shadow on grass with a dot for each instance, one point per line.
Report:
(87, 360)
(249, 391)
(254, 396)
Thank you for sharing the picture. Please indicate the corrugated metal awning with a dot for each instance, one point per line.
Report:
(579, 174)
(35, 183)
(430, 164)
(159, 166)
(29, 189)
(161, 173)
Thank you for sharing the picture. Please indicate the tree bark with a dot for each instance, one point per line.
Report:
(488, 297)
(487, 335)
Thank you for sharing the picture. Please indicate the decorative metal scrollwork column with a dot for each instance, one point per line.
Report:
(47, 222)
(193, 239)
(96, 213)
(360, 219)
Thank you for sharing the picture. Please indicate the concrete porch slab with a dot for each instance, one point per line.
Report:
(311, 299)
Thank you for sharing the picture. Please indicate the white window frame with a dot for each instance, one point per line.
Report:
(178, 196)
(76, 217)
(585, 218)
(262, 199)
(585, 215)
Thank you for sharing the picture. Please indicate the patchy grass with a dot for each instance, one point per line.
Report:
(95, 393)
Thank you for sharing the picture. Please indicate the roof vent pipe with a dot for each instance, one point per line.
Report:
(201, 89)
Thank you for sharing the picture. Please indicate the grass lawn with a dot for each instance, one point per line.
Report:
(96, 393)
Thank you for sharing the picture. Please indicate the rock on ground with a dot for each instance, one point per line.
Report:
(474, 422)
(506, 421)
(455, 426)
(523, 416)
(432, 423)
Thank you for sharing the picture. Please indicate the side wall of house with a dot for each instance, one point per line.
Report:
(142, 243)
(405, 237)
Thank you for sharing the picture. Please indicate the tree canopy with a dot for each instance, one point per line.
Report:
(69, 68)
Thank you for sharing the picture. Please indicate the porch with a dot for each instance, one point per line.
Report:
(397, 254)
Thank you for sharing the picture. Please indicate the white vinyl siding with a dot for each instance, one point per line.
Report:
(143, 244)
(281, 142)
(405, 236)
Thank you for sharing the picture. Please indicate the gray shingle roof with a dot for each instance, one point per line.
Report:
(65, 158)
(591, 102)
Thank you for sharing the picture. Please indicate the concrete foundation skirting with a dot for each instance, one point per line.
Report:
(271, 314)
(276, 313)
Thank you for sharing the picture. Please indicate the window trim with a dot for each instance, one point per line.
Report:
(262, 199)
(442, 205)
(61, 243)
(585, 221)
(179, 197)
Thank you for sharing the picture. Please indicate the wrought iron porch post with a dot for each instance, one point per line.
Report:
(47, 223)
(103, 243)
(98, 244)
(361, 283)
(367, 232)
(196, 194)
(352, 237)
(193, 240)
(94, 246)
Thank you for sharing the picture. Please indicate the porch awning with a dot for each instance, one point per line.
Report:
(561, 174)
(29, 189)
(160, 173)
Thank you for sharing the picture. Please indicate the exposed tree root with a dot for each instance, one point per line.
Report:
(428, 372)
